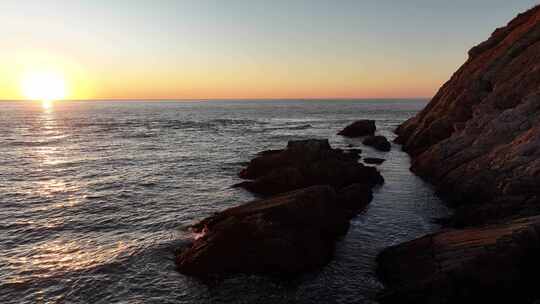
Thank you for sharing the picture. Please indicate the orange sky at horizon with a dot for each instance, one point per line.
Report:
(226, 81)
(236, 49)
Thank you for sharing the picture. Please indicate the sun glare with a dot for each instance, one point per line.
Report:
(44, 86)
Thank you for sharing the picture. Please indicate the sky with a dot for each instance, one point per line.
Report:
(199, 49)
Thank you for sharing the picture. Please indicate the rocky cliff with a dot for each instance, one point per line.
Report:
(478, 140)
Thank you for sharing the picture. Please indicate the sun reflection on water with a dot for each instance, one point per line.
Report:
(47, 105)
(66, 255)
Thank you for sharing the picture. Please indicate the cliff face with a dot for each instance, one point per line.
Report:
(478, 140)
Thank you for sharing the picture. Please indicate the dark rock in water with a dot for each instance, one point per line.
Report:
(354, 198)
(293, 231)
(306, 163)
(359, 128)
(490, 264)
(378, 142)
(374, 160)
(279, 180)
(285, 234)
(354, 151)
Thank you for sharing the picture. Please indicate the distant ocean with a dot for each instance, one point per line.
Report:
(95, 197)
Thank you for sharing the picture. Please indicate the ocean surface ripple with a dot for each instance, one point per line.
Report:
(95, 197)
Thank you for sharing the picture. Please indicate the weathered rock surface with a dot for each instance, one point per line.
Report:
(285, 234)
(378, 142)
(306, 163)
(478, 140)
(374, 160)
(359, 128)
(491, 264)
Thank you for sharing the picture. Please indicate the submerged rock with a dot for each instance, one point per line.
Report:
(306, 163)
(491, 264)
(359, 128)
(285, 234)
(378, 142)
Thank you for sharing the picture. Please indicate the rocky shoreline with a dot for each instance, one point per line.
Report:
(478, 142)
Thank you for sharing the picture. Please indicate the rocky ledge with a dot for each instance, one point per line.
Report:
(306, 163)
(290, 232)
(478, 142)
(491, 264)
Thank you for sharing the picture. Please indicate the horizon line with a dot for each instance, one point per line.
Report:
(224, 99)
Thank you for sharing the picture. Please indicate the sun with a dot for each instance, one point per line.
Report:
(44, 86)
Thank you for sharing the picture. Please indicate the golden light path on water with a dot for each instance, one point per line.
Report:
(63, 253)
(47, 104)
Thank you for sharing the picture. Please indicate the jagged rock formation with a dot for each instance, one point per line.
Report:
(478, 140)
(290, 232)
(492, 264)
(306, 163)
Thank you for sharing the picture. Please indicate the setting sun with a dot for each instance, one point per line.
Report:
(45, 86)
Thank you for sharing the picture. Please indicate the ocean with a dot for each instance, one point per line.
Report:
(95, 196)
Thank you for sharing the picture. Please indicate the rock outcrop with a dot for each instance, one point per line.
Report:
(359, 128)
(478, 140)
(491, 264)
(316, 191)
(378, 142)
(286, 234)
(306, 163)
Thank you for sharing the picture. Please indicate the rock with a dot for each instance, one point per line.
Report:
(293, 231)
(354, 198)
(303, 164)
(359, 128)
(378, 142)
(374, 160)
(286, 234)
(478, 140)
(354, 151)
(490, 264)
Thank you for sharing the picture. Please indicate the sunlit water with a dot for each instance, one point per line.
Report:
(94, 198)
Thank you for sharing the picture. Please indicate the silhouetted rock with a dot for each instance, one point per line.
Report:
(491, 264)
(293, 231)
(285, 234)
(306, 163)
(374, 160)
(354, 198)
(359, 128)
(378, 142)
